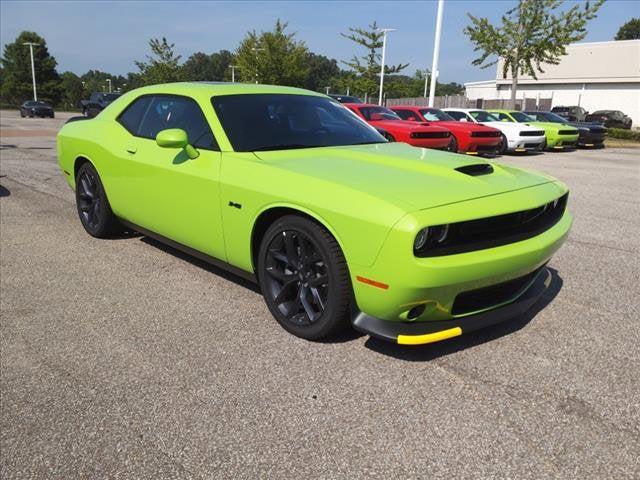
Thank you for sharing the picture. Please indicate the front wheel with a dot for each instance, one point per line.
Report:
(304, 278)
(93, 207)
(504, 144)
(453, 144)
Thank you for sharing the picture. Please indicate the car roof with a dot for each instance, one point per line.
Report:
(220, 88)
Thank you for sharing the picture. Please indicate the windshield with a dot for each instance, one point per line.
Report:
(482, 116)
(522, 117)
(435, 115)
(552, 117)
(281, 121)
(378, 113)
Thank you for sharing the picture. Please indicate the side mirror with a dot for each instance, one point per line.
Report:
(504, 120)
(176, 138)
(463, 120)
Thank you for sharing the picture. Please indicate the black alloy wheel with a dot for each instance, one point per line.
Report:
(93, 207)
(304, 278)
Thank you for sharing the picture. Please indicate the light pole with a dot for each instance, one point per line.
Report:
(384, 49)
(109, 80)
(256, 50)
(233, 73)
(436, 54)
(33, 68)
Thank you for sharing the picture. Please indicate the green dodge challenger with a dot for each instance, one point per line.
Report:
(558, 136)
(289, 188)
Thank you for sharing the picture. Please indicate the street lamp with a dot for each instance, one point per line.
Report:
(109, 80)
(436, 55)
(256, 50)
(33, 68)
(233, 73)
(384, 49)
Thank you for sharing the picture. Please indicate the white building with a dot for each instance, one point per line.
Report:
(595, 76)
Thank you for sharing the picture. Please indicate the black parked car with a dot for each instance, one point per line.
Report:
(33, 108)
(610, 118)
(590, 134)
(572, 113)
(96, 103)
(345, 98)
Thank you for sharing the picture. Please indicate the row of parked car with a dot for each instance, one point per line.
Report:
(476, 131)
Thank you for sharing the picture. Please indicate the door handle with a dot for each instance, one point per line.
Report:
(132, 149)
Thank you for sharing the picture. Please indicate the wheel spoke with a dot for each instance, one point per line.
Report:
(319, 281)
(317, 298)
(281, 257)
(305, 303)
(294, 308)
(284, 293)
(86, 187)
(278, 275)
(289, 245)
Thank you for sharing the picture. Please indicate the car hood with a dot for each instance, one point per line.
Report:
(551, 126)
(510, 126)
(412, 178)
(407, 126)
(466, 126)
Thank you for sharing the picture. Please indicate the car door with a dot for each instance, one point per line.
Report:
(167, 192)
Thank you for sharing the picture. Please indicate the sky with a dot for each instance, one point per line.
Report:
(110, 35)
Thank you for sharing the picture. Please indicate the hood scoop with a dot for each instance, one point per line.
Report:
(476, 169)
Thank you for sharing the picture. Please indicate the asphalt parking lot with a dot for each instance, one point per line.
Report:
(125, 359)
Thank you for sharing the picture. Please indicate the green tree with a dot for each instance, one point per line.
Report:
(630, 30)
(321, 72)
(203, 67)
(162, 66)
(98, 81)
(274, 57)
(16, 71)
(367, 67)
(531, 34)
(73, 90)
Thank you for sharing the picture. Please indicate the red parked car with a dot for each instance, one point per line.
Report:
(397, 130)
(471, 138)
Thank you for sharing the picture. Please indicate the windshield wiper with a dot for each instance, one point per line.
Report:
(284, 146)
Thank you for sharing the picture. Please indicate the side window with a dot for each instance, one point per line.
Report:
(168, 111)
(132, 115)
(504, 117)
(405, 114)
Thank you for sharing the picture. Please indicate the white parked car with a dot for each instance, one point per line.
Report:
(516, 137)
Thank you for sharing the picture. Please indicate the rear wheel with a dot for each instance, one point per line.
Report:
(93, 207)
(389, 137)
(304, 278)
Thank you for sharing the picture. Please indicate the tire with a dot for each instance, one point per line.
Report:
(389, 137)
(84, 112)
(453, 145)
(92, 204)
(304, 278)
(22, 114)
(504, 144)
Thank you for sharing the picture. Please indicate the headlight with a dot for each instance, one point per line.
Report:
(430, 237)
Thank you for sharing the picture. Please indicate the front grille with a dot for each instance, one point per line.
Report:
(532, 133)
(491, 296)
(499, 230)
(485, 134)
(430, 134)
(531, 145)
(568, 132)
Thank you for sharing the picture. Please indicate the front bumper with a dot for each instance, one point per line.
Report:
(526, 144)
(420, 333)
